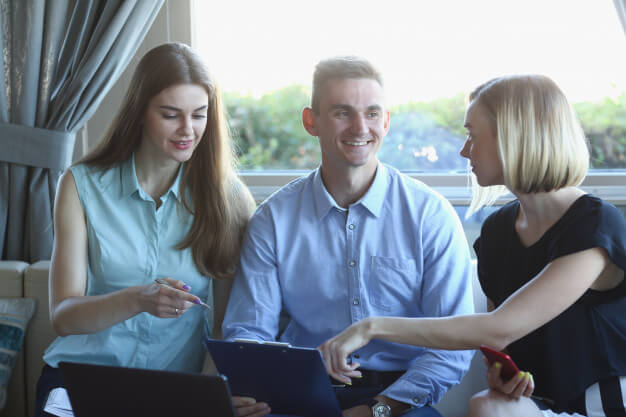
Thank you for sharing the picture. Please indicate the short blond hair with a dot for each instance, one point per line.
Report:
(340, 68)
(541, 143)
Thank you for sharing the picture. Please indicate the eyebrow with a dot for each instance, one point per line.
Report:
(349, 107)
(172, 108)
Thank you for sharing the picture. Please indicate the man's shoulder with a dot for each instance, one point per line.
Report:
(287, 196)
(414, 188)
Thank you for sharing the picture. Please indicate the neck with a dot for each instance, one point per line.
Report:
(348, 186)
(542, 210)
(155, 177)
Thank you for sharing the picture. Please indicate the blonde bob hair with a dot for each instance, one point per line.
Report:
(541, 143)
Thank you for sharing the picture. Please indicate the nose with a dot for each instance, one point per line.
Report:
(359, 125)
(465, 150)
(186, 127)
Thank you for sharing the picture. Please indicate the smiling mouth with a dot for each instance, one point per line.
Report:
(357, 143)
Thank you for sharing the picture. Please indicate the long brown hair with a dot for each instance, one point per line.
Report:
(220, 203)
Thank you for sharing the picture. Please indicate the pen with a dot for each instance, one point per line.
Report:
(161, 281)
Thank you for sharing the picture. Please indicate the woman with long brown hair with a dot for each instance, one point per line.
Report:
(148, 227)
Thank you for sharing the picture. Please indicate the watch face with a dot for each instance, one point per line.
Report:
(381, 410)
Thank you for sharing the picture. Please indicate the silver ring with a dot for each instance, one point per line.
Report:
(176, 311)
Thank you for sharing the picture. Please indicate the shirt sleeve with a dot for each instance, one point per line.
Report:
(446, 291)
(255, 301)
(596, 224)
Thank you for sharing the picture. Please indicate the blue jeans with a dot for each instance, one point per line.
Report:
(350, 396)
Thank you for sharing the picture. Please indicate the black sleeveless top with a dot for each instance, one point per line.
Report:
(586, 342)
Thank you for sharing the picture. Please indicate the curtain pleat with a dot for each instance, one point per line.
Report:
(620, 5)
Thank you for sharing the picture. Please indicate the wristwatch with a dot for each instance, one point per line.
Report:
(379, 409)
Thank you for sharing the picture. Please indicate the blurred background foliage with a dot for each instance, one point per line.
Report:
(424, 136)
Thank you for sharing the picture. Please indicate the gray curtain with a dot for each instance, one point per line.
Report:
(60, 57)
(620, 5)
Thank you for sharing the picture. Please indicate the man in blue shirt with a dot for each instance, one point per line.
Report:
(356, 238)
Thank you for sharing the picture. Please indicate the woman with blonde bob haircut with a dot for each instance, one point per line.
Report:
(551, 263)
(148, 228)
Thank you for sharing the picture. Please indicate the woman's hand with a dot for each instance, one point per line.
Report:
(248, 407)
(167, 300)
(520, 385)
(336, 350)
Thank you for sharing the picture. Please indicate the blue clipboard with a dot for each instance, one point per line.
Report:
(291, 380)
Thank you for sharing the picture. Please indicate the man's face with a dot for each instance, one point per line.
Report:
(351, 123)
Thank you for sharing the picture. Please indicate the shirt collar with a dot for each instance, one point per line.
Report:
(130, 184)
(372, 200)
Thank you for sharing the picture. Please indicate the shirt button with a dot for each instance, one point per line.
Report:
(351, 227)
(356, 302)
(352, 263)
(416, 400)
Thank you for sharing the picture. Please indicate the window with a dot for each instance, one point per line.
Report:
(431, 55)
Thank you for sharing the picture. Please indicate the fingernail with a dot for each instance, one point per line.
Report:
(498, 365)
(186, 287)
(521, 375)
(196, 301)
(349, 383)
(359, 376)
(527, 376)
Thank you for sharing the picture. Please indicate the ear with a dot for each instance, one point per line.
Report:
(387, 122)
(308, 121)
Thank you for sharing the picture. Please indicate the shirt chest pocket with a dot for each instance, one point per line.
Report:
(392, 283)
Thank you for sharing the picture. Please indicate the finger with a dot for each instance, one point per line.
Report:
(242, 401)
(530, 387)
(177, 296)
(521, 387)
(342, 368)
(494, 379)
(515, 386)
(178, 284)
(255, 410)
(355, 373)
(323, 348)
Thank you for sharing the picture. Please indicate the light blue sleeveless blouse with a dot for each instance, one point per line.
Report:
(131, 243)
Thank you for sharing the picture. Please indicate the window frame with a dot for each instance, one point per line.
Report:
(610, 186)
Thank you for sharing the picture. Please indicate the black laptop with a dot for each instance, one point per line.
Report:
(99, 391)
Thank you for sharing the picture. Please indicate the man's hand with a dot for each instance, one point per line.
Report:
(248, 407)
(521, 385)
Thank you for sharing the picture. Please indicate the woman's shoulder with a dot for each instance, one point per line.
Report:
(590, 214)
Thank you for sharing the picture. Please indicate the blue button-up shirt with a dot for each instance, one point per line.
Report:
(131, 243)
(399, 251)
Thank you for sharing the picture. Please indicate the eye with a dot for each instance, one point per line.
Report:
(373, 114)
(341, 114)
(169, 116)
(199, 116)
